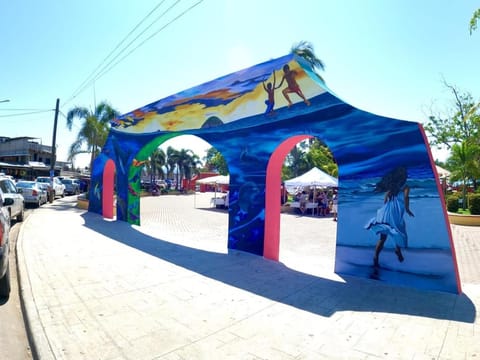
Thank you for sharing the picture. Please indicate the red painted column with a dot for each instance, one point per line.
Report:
(107, 193)
(271, 241)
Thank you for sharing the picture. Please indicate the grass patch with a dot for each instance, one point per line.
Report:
(463, 212)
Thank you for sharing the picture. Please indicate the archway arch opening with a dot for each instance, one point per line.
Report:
(294, 242)
(179, 206)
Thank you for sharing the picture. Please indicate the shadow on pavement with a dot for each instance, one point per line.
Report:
(275, 281)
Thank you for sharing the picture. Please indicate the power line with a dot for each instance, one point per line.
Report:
(103, 70)
(92, 74)
(25, 109)
(149, 38)
(27, 113)
(107, 67)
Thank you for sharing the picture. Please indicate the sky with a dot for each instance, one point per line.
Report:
(386, 57)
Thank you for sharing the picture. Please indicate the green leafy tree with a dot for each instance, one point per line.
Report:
(320, 156)
(459, 132)
(214, 161)
(306, 155)
(464, 164)
(296, 161)
(463, 122)
(93, 131)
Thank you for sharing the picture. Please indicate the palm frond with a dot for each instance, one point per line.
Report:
(474, 20)
(305, 50)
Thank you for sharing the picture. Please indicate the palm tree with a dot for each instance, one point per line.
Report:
(191, 167)
(93, 132)
(155, 164)
(473, 21)
(465, 164)
(183, 160)
(171, 161)
(304, 49)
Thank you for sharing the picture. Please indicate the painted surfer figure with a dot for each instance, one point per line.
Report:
(270, 90)
(389, 220)
(292, 85)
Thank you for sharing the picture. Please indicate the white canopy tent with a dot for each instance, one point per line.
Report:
(213, 180)
(314, 177)
(442, 173)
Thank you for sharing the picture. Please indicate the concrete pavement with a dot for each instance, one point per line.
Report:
(170, 289)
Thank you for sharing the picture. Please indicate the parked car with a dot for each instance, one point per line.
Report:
(56, 186)
(72, 187)
(48, 190)
(10, 191)
(4, 245)
(32, 192)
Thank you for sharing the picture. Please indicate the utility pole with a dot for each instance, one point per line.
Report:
(54, 141)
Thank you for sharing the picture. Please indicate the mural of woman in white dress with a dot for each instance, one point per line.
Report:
(389, 220)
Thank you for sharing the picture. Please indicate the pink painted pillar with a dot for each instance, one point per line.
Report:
(108, 184)
(271, 241)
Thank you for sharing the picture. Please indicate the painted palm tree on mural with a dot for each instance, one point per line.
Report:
(94, 130)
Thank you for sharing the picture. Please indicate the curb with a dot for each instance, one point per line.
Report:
(34, 328)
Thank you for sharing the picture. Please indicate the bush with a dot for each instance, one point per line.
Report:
(474, 200)
(452, 203)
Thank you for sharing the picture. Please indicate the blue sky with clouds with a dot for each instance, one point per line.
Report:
(386, 57)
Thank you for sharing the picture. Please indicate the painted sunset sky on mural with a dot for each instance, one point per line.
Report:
(227, 99)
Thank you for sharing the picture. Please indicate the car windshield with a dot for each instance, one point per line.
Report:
(66, 181)
(44, 180)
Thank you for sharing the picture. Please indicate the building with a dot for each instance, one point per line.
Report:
(25, 157)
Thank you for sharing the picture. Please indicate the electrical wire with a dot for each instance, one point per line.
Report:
(109, 66)
(106, 67)
(92, 74)
(27, 113)
(147, 39)
(25, 109)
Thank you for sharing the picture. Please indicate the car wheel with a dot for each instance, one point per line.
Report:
(21, 215)
(5, 284)
(63, 194)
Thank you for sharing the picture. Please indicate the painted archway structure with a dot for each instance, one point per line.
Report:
(254, 117)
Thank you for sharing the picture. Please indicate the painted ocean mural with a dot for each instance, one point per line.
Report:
(234, 114)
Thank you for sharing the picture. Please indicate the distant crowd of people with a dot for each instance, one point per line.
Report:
(326, 201)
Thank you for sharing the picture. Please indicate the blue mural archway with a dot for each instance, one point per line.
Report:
(248, 115)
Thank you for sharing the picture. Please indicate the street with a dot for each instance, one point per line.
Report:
(13, 340)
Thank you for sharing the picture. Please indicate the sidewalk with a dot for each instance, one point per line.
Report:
(170, 289)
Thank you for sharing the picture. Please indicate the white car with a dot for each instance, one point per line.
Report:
(16, 209)
(32, 192)
(57, 188)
